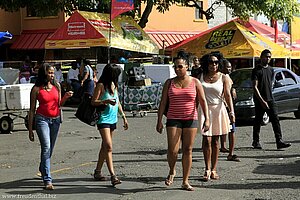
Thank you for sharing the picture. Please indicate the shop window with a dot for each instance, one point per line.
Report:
(32, 13)
(198, 13)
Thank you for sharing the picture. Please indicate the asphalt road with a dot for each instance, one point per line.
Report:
(140, 161)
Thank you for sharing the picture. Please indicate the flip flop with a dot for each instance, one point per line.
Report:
(187, 187)
(169, 180)
(233, 158)
(115, 180)
(224, 150)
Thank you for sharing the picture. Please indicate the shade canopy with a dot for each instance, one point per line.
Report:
(284, 39)
(233, 40)
(90, 29)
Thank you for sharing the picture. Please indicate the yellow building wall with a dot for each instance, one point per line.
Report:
(37, 23)
(10, 21)
(178, 18)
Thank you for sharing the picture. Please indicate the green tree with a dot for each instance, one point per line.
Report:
(276, 9)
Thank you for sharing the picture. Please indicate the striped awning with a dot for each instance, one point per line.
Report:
(166, 38)
(32, 39)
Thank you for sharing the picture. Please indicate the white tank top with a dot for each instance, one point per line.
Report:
(213, 91)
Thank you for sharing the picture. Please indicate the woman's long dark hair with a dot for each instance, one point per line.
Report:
(204, 61)
(42, 79)
(110, 75)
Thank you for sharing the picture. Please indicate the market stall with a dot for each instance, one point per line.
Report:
(91, 29)
(233, 40)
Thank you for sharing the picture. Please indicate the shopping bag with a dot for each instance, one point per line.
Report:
(86, 112)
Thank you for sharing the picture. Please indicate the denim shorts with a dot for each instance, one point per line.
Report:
(179, 123)
(104, 125)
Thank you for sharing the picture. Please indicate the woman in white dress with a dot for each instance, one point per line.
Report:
(217, 88)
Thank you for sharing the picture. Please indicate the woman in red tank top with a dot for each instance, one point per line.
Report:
(181, 93)
(47, 117)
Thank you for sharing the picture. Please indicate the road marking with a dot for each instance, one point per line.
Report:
(67, 168)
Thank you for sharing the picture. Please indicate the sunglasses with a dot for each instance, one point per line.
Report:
(178, 66)
(213, 62)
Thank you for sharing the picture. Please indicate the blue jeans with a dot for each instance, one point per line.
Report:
(47, 131)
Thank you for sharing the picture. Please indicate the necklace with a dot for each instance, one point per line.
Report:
(47, 88)
(180, 82)
(210, 77)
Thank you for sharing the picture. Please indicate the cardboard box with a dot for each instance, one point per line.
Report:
(145, 82)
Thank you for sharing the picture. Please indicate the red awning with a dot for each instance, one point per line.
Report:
(166, 38)
(32, 39)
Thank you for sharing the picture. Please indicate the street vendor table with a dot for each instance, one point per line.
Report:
(131, 97)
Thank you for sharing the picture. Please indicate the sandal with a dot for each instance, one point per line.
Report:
(49, 186)
(206, 176)
(233, 158)
(187, 187)
(98, 176)
(214, 175)
(170, 179)
(224, 150)
(115, 180)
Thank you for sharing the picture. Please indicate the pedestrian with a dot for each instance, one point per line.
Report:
(196, 68)
(73, 79)
(106, 93)
(226, 69)
(35, 71)
(47, 117)
(95, 78)
(217, 89)
(58, 73)
(25, 71)
(182, 94)
(87, 78)
(262, 77)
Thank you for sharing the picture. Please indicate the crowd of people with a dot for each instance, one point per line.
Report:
(80, 78)
(211, 86)
(201, 102)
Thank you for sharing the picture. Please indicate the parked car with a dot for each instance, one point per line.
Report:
(2, 82)
(286, 91)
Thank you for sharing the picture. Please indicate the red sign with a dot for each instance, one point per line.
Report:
(120, 6)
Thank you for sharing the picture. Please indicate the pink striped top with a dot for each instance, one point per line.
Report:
(182, 102)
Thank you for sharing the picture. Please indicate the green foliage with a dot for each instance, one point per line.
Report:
(277, 9)
(46, 7)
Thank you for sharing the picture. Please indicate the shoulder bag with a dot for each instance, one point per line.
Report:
(88, 113)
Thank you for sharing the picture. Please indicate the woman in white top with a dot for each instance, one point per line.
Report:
(217, 88)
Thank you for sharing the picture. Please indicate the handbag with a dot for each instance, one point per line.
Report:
(88, 113)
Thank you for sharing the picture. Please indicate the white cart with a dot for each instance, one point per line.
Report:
(14, 104)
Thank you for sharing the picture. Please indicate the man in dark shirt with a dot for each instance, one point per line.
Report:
(264, 101)
(196, 68)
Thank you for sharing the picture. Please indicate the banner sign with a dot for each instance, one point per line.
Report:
(120, 6)
(220, 38)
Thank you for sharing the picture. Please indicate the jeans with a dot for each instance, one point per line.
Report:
(47, 131)
(272, 113)
(88, 87)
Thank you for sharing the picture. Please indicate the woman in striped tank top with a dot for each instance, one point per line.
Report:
(182, 118)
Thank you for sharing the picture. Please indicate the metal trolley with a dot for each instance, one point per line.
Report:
(7, 121)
